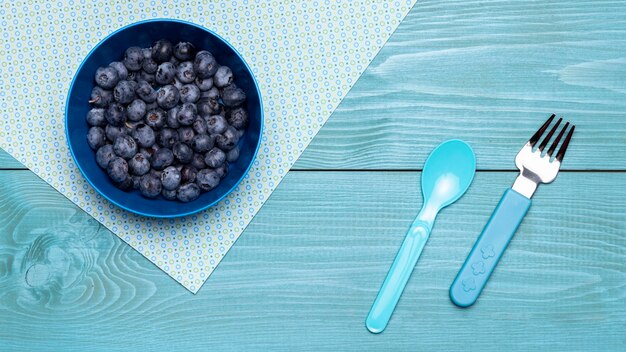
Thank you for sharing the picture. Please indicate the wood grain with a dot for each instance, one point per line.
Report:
(305, 272)
(488, 72)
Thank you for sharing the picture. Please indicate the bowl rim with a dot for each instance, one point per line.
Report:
(204, 207)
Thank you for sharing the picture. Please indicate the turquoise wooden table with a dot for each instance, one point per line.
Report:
(305, 272)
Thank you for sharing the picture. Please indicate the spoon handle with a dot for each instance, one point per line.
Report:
(397, 277)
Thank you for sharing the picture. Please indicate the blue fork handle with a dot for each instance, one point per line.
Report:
(397, 277)
(488, 249)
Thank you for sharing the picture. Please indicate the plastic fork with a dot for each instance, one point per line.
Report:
(536, 166)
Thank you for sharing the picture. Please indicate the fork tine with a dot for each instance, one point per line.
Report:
(533, 140)
(547, 139)
(561, 152)
(558, 138)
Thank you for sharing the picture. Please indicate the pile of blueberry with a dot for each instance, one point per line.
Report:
(166, 120)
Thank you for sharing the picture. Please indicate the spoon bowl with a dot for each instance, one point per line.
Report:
(448, 173)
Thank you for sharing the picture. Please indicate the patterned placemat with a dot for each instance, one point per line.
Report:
(305, 56)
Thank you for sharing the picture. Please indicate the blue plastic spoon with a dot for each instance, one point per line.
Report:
(448, 172)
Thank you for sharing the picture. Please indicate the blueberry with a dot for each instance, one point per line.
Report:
(162, 158)
(223, 77)
(147, 53)
(238, 118)
(204, 83)
(187, 114)
(203, 52)
(178, 84)
(227, 140)
(169, 194)
(148, 77)
(199, 125)
(155, 118)
(184, 51)
(130, 125)
(188, 174)
(95, 117)
(136, 110)
(214, 158)
(212, 94)
(162, 50)
(144, 135)
(148, 152)
(117, 169)
(189, 93)
(125, 147)
(139, 165)
(182, 152)
(185, 72)
(222, 170)
(165, 73)
(107, 77)
(216, 124)
(112, 132)
(149, 65)
(124, 92)
(198, 161)
(205, 64)
(100, 97)
(152, 106)
(232, 155)
(133, 58)
(150, 186)
(208, 103)
(186, 134)
(125, 185)
(132, 75)
(202, 143)
(122, 71)
(145, 92)
(104, 155)
(134, 85)
(170, 178)
(156, 173)
(174, 61)
(207, 179)
(168, 96)
(96, 137)
(115, 114)
(233, 96)
(208, 108)
(167, 137)
(188, 192)
(136, 180)
(171, 119)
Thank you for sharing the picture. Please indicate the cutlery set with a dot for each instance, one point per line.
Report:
(446, 176)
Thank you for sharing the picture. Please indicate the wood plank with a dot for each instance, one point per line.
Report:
(305, 272)
(488, 72)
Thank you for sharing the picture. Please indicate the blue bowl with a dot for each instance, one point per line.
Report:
(112, 48)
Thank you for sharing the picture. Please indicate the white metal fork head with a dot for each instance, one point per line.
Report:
(536, 166)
